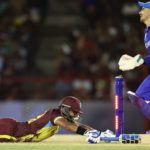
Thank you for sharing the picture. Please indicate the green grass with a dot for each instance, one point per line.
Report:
(71, 143)
(41, 146)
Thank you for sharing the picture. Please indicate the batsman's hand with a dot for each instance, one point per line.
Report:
(127, 62)
(93, 136)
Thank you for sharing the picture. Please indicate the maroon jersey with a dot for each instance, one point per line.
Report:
(43, 122)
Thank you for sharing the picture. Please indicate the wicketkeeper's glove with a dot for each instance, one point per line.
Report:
(127, 62)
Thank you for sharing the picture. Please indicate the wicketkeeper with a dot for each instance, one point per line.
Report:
(47, 124)
(142, 95)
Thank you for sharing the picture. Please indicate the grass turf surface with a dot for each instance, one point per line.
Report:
(72, 142)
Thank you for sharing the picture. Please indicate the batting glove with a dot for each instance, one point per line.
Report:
(93, 136)
(107, 133)
(127, 62)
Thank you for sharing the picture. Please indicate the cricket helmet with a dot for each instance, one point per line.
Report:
(68, 104)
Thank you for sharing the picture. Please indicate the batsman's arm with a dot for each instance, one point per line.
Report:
(70, 126)
(84, 126)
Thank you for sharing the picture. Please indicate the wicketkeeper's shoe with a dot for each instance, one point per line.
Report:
(136, 99)
(133, 98)
(147, 101)
(142, 104)
(148, 132)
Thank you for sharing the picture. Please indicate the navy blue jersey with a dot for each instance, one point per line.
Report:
(147, 39)
(147, 45)
(143, 90)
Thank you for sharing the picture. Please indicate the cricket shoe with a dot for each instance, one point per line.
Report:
(136, 99)
(148, 132)
(147, 102)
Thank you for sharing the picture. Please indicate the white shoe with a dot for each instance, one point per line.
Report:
(107, 133)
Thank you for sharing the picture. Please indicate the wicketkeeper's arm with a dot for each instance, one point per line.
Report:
(127, 62)
(147, 60)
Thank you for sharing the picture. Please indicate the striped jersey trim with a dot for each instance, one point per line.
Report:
(59, 117)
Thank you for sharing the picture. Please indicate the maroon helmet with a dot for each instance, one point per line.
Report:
(68, 104)
(72, 102)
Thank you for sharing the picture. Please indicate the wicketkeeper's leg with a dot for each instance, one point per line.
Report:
(141, 103)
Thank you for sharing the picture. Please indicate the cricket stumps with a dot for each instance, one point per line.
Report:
(124, 138)
(119, 118)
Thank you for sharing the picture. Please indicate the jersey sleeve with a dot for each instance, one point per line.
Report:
(147, 60)
(56, 118)
(55, 115)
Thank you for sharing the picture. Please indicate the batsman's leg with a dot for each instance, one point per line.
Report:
(7, 129)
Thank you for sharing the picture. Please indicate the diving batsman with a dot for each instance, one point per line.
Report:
(47, 124)
(141, 97)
